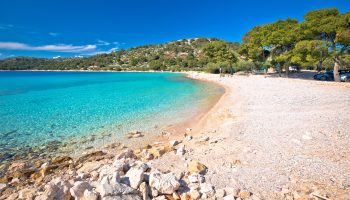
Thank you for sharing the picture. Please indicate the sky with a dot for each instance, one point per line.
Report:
(68, 28)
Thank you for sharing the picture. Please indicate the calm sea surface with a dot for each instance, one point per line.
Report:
(37, 108)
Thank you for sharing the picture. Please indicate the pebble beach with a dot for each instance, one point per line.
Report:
(266, 138)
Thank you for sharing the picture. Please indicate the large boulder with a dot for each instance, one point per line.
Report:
(77, 191)
(164, 183)
(134, 177)
(57, 189)
(109, 189)
(90, 195)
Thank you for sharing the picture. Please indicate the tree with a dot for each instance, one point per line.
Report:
(332, 27)
(219, 52)
(277, 38)
(310, 52)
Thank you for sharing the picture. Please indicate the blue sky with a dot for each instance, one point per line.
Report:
(48, 28)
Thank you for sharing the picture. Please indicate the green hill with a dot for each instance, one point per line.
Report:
(186, 54)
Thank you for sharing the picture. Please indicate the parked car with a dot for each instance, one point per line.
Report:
(329, 75)
(345, 77)
(294, 68)
(326, 76)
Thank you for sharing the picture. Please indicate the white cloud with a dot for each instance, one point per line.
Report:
(54, 48)
(103, 43)
(53, 34)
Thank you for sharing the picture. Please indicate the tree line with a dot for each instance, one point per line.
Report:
(323, 36)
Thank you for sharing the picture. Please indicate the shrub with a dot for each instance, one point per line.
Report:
(244, 66)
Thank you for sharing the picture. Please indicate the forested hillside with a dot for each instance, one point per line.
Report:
(186, 54)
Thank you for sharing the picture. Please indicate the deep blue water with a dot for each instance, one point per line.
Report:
(39, 107)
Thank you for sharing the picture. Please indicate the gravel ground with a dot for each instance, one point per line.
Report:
(279, 138)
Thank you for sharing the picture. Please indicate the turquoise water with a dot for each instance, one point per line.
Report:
(41, 107)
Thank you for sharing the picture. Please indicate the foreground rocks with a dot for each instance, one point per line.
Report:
(126, 176)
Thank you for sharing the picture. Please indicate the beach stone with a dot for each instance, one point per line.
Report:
(196, 178)
(188, 129)
(146, 155)
(62, 160)
(244, 194)
(195, 194)
(128, 153)
(188, 138)
(180, 151)
(108, 170)
(56, 190)
(94, 156)
(164, 183)
(107, 188)
(144, 189)
(17, 166)
(94, 175)
(175, 196)
(173, 143)
(220, 193)
(204, 139)
(185, 196)
(229, 197)
(89, 195)
(122, 165)
(154, 192)
(3, 186)
(89, 167)
(134, 177)
(162, 197)
(195, 166)
(159, 151)
(77, 191)
(207, 189)
(230, 190)
(26, 194)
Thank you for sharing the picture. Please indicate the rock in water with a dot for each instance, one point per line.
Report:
(196, 167)
(164, 183)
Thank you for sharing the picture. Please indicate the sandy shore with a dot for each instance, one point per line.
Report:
(266, 138)
(280, 138)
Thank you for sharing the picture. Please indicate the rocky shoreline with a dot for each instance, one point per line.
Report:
(108, 175)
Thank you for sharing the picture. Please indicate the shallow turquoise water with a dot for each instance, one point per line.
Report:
(41, 107)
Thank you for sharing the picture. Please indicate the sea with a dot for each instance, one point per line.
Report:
(92, 109)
